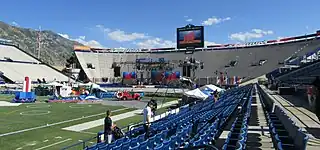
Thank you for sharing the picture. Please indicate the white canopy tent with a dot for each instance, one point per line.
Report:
(93, 86)
(196, 93)
(213, 87)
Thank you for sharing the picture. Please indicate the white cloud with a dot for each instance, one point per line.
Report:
(121, 36)
(82, 40)
(254, 34)
(103, 29)
(280, 37)
(259, 31)
(155, 43)
(214, 20)
(189, 20)
(64, 35)
(141, 40)
(15, 24)
(91, 43)
(207, 43)
(307, 27)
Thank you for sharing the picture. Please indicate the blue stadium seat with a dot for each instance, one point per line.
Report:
(143, 145)
(126, 145)
(116, 148)
(159, 147)
(134, 147)
(151, 142)
(194, 125)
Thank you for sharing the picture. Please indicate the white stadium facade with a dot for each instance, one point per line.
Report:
(246, 61)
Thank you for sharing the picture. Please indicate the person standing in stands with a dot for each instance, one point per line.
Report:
(310, 97)
(154, 107)
(108, 125)
(147, 119)
(316, 84)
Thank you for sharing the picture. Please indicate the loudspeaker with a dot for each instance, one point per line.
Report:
(141, 77)
(116, 71)
(184, 71)
(188, 71)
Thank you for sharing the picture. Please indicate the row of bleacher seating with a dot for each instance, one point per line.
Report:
(195, 125)
(277, 74)
(285, 134)
(237, 136)
(283, 130)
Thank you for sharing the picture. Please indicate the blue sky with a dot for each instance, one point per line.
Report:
(149, 23)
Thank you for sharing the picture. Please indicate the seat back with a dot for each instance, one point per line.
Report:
(301, 140)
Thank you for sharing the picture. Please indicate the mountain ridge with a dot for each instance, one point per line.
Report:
(55, 49)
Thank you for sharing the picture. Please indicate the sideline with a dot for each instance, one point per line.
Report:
(99, 122)
(57, 123)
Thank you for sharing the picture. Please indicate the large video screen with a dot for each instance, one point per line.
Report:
(190, 37)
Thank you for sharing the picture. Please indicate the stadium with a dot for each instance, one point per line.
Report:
(228, 96)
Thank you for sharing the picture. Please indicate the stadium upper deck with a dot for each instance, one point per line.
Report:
(17, 64)
(248, 60)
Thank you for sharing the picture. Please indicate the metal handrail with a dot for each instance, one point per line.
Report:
(140, 124)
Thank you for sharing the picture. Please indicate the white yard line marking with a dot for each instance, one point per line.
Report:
(57, 123)
(53, 144)
(32, 143)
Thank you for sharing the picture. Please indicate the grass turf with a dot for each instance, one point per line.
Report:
(11, 120)
(32, 115)
(54, 137)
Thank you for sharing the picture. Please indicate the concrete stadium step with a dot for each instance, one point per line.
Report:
(258, 130)
(303, 117)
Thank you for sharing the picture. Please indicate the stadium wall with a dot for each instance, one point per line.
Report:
(214, 59)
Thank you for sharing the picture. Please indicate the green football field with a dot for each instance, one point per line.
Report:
(39, 126)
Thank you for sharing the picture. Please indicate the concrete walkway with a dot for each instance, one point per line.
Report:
(5, 103)
(303, 118)
(99, 122)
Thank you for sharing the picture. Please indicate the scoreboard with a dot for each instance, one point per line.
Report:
(190, 37)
